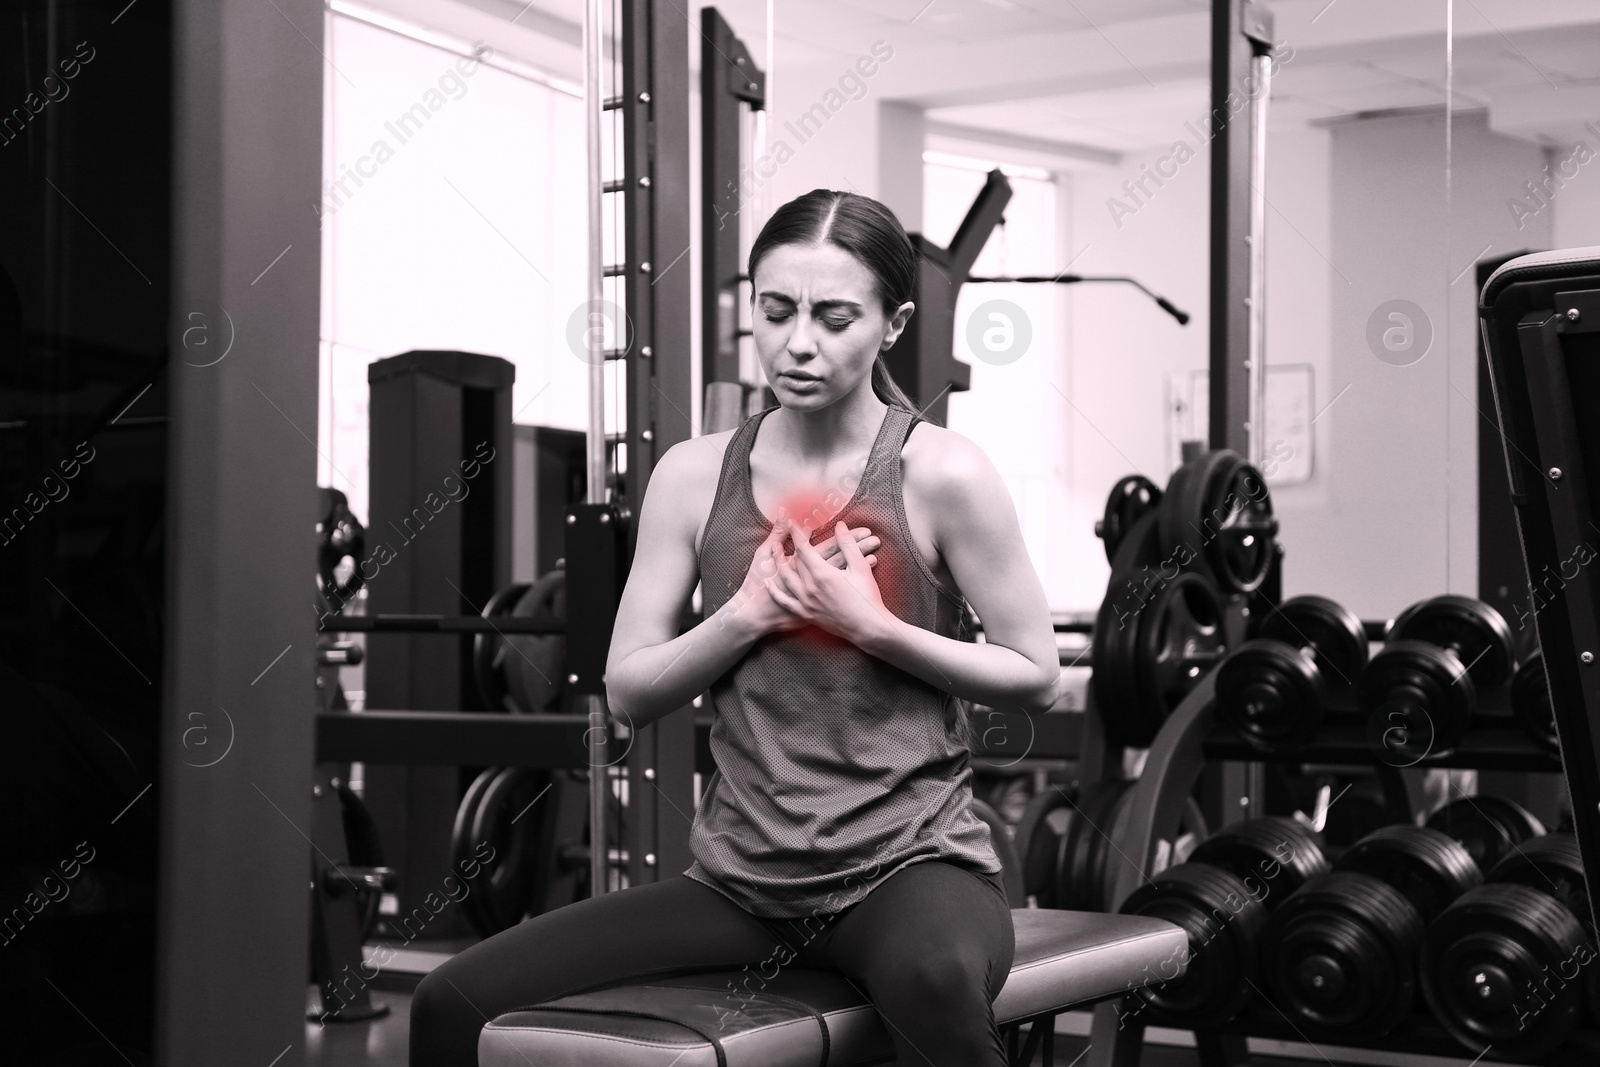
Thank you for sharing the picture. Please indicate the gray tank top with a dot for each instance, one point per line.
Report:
(834, 768)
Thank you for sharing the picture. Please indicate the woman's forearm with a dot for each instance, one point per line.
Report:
(656, 680)
(987, 674)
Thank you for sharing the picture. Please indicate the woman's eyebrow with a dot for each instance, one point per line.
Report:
(836, 303)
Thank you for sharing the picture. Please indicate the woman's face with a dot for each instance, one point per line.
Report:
(818, 323)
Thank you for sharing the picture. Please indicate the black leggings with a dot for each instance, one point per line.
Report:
(930, 947)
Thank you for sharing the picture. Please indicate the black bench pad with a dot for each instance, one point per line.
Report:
(1064, 959)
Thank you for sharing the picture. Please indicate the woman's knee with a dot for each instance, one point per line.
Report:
(440, 995)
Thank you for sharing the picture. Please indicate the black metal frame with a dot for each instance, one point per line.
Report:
(654, 107)
(923, 360)
(729, 77)
(1541, 325)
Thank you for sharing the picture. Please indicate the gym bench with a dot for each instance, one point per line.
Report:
(806, 1017)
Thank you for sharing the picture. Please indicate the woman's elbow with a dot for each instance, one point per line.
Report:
(1044, 693)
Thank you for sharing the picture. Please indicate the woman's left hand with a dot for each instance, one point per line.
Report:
(843, 601)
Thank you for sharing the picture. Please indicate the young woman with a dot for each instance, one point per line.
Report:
(834, 538)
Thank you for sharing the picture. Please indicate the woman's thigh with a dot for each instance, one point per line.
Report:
(672, 925)
(927, 907)
(931, 948)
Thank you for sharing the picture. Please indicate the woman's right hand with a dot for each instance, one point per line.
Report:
(754, 603)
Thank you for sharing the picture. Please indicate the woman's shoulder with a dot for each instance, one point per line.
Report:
(691, 463)
(938, 461)
(684, 479)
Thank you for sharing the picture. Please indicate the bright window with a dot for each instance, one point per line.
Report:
(1015, 410)
(453, 218)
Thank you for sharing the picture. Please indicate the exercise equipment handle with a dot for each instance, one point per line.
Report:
(1073, 279)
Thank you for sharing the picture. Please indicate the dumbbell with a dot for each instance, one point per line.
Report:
(1504, 965)
(341, 543)
(1421, 691)
(1530, 699)
(1221, 899)
(1489, 827)
(1340, 954)
(1275, 688)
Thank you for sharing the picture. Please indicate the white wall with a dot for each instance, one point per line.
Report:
(1398, 521)
(1575, 209)
(1122, 345)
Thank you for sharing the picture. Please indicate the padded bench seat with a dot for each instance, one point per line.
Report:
(1064, 959)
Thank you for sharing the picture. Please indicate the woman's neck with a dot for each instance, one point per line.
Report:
(846, 427)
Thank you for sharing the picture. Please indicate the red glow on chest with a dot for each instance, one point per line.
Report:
(812, 508)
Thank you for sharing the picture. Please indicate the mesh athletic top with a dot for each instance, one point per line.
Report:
(834, 768)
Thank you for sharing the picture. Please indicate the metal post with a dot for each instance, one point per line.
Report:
(1241, 34)
(1261, 81)
(594, 338)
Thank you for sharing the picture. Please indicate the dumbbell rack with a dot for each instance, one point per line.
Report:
(1194, 736)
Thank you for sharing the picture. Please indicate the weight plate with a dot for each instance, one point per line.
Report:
(506, 889)
(1115, 649)
(1239, 527)
(1130, 500)
(1418, 701)
(1180, 639)
(1530, 699)
(1182, 514)
(534, 665)
(1224, 926)
(1473, 630)
(1081, 860)
(1273, 856)
(1088, 860)
(1488, 826)
(463, 848)
(489, 650)
(1341, 957)
(1335, 636)
(1038, 842)
(1428, 867)
(1000, 841)
(1271, 694)
(1496, 970)
(1550, 864)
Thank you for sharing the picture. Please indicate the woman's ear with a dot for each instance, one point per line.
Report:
(897, 323)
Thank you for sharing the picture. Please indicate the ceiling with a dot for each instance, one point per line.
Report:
(1540, 58)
